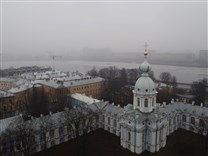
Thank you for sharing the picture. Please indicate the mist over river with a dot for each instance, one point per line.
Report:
(183, 74)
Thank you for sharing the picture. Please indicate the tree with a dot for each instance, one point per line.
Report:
(93, 72)
(203, 130)
(199, 91)
(80, 121)
(123, 77)
(165, 77)
(173, 81)
(113, 72)
(22, 134)
(104, 73)
(45, 124)
(133, 75)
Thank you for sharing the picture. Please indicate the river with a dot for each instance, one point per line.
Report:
(183, 74)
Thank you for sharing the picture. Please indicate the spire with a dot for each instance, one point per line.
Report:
(145, 49)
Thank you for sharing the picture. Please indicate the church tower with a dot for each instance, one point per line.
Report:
(144, 91)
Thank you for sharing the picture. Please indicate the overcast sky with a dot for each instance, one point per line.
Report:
(39, 28)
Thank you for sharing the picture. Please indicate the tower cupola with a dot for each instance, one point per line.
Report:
(144, 90)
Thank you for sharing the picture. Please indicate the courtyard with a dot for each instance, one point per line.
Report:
(103, 143)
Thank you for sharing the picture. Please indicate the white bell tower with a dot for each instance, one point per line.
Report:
(144, 91)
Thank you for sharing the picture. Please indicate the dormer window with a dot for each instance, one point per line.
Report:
(146, 103)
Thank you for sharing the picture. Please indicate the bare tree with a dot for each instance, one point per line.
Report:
(45, 125)
(93, 72)
(22, 134)
(173, 81)
(165, 77)
(133, 75)
(198, 89)
(80, 121)
(203, 130)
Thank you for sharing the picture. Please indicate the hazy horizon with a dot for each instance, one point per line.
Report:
(43, 29)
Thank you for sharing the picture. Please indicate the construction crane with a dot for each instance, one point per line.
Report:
(54, 57)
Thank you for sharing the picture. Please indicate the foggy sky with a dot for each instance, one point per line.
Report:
(42, 28)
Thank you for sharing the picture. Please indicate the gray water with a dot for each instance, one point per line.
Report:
(183, 74)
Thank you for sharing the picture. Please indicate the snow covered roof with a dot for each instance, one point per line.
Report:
(106, 107)
(113, 109)
(20, 88)
(4, 123)
(5, 94)
(86, 99)
(187, 108)
(77, 82)
(5, 79)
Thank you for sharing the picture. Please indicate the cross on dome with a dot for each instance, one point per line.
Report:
(145, 50)
(145, 66)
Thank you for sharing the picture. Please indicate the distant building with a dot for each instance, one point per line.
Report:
(21, 70)
(203, 57)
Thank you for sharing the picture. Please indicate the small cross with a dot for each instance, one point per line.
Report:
(146, 45)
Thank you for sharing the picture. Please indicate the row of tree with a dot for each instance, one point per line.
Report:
(120, 77)
(167, 78)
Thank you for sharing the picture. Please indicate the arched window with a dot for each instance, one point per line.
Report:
(178, 118)
(109, 120)
(153, 102)
(184, 118)
(138, 101)
(192, 120)
(143, 137)
(146, 103)
(201, 123)
(129, 136)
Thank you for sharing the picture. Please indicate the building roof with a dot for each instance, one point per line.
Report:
(106, 107)
(6, 79)
(4, 123)
(73, 83)
(4, 94)
(20, 88)
(187, 108)
(86, 99)
(144, 85)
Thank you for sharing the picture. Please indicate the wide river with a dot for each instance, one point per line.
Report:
(183, 74)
